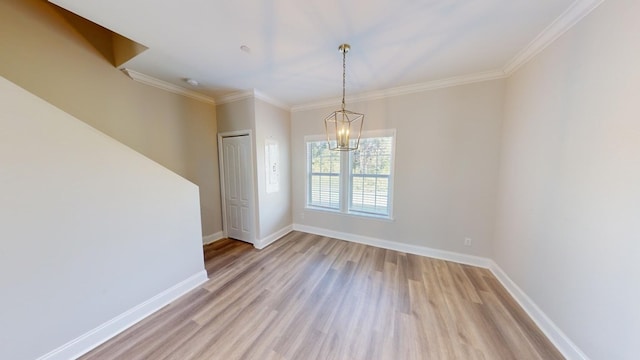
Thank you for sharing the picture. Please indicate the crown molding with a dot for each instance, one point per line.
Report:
(578, 10)
(275, 102)
(157, 83)
(241, 95)
(407, 89)
(236, 96)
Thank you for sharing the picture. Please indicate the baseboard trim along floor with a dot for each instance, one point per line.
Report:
(97, 336)
(568, 349)
(88, 341)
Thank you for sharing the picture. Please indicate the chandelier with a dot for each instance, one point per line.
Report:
(344, 127)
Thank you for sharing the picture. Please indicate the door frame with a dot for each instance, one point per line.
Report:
(256, 222)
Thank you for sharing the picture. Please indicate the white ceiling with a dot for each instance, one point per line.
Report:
(293, 44)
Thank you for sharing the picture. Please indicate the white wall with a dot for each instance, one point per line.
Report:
(446, 165)
(89, 228)
(568, 227)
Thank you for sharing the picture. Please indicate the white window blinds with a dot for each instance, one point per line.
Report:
(355, 182)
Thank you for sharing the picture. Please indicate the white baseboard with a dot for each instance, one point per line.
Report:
(208, 239)
(392, 245)
(104, 332)
(568, 349)
(88, 341)
(264, 242)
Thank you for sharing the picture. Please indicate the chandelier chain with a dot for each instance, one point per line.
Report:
(343, 127)
(344, 76)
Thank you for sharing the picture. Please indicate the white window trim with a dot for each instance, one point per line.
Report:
(345, 178)
(373, 134)
(307, 195)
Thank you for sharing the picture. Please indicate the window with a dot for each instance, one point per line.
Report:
(366, 187)
(324, 175)
(370, 176)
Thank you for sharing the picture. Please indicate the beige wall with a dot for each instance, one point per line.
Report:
(556, 144)
(446, 167)
(273, 123)
(89, 231)
(265, 121)
(42, 53)
(236, 115)
(568, 228)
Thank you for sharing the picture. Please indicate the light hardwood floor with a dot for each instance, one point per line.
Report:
(312, 297)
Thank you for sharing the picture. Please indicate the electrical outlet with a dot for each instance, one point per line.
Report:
(302, 216)
(467, 242)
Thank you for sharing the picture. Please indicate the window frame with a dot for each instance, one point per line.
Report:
(346, 177)
(309, 172)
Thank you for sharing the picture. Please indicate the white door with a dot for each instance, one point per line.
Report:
(238, 188)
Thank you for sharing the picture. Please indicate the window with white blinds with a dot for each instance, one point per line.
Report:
(370, 177)
(323, 175)
(366, 187)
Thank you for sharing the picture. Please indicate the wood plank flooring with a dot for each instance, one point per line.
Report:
(312, 297)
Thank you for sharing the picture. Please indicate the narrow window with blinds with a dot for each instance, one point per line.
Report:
(370, 176)
(355, 182)
(323, 176)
